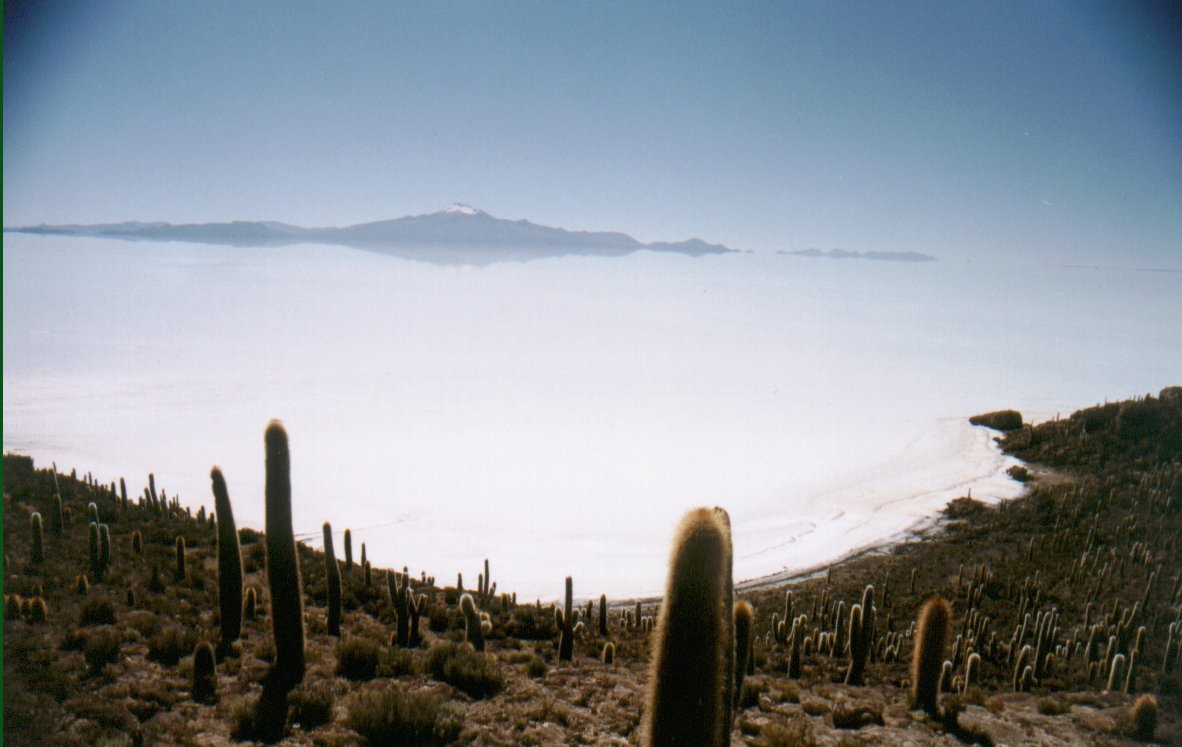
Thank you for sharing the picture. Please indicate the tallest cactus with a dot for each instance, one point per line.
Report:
(693, 648)
(283, 578)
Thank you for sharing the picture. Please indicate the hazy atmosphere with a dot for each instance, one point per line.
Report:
(774, 373)
(1047, 132)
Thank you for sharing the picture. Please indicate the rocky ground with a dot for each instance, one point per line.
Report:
(1094, 549)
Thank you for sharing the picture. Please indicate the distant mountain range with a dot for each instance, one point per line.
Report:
(458, 234)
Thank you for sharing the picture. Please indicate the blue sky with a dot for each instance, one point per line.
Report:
(1046, 131)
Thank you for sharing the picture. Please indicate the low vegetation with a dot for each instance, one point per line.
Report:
(1059, 622)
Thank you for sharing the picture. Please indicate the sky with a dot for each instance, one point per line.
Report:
(1046, 131)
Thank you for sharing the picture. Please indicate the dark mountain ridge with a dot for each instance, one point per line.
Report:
(456, 235)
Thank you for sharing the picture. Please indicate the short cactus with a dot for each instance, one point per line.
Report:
(205, 679)
(609, 653)
(686, 688)
(473, 624)
(927, 658)
(37, 557)
(1144, 718)
(249, 603)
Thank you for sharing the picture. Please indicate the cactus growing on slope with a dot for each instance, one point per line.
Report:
(180, 557)
(473, 624)
(205, 679)
(564, 618)
(928, 655)
(283, 577)
(744, 637)
(229, 564)
(686, 688)
(332, 574)
(37, 557)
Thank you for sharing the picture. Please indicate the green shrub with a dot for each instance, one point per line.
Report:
(74, 639)
(170, 644)
(397, 662)
(390, 716)
(102, 648)
(357, 659)
(97, 611)
(478, 675)
(311, 704)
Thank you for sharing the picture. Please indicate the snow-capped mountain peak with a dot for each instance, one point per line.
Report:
(459, 208)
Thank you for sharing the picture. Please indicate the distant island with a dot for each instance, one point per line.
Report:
(456, 235)
(847, 254)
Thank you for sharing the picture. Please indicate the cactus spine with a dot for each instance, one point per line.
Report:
(565, 620)
(229, 564)
(928, 656)
(685, 704)
(333, 575)
(283, 577)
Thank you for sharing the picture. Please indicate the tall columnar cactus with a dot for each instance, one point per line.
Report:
(105, 547)
(283, 578)
(229, 564)
(180, 557)
(58, 514)
(349, 551)
(473, 624)
(1115, 673)
(92, 514)
(363, 560)
(744, 637)
(96, 562)
(155, 501)
(414, 609)
(603, 615)
(565, 620)
(137, 542)
(728, 622)
(928, 656)
(38, 554)
(685, 702)
(400, 594)
(123, 493)
(332, 573)
(861, 637)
